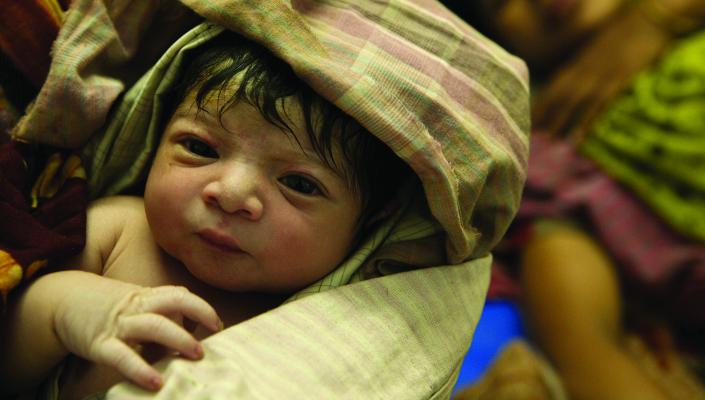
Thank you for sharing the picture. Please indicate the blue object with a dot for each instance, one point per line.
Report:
(499, 324)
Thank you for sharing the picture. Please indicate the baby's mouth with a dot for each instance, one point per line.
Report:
(219, 240)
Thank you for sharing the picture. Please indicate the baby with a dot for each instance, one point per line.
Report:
(259, 187)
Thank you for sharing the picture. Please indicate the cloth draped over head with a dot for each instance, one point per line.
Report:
(448, 101)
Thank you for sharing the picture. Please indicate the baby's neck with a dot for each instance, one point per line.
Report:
(232, 307)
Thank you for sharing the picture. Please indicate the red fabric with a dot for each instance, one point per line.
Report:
(27, 31)
(52, 230)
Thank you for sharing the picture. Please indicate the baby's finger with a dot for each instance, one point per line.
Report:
(176, 299)
(161, 330)
(123, 358)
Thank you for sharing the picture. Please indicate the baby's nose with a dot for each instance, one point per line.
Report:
(237, 192)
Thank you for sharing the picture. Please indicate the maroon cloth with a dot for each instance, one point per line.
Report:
(53, 229)
(27, 31)
(32, 233)
(653, 260)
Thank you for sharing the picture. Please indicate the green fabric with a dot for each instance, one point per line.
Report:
(653, 137)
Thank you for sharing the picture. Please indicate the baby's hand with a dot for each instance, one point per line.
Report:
(105, 320)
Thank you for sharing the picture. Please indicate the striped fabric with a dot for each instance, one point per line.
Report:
(444, 98)
(399, 337)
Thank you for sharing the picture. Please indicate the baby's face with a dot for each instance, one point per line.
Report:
(242, 206)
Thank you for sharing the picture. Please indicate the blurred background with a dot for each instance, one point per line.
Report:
(598, 290)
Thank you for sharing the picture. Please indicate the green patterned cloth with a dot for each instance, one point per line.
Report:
(653, 137)
(396, 318)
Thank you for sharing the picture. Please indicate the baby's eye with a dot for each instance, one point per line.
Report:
(301, 184)
(199, 148)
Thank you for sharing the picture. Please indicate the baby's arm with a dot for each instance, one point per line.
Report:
(95, 317)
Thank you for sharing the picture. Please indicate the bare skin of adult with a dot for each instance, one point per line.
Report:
(573, 304)
(574, 309)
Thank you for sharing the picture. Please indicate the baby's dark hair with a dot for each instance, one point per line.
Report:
(264, 81)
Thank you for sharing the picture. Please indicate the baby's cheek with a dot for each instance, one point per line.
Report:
(288, 245)
(164, 208)
(297, 259)
(167, 191)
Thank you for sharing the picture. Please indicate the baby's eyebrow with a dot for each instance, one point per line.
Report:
(193, 112)
(307, 153)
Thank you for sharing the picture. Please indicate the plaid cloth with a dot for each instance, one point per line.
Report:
(443, 97)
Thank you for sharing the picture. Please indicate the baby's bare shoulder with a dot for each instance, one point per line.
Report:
(116, 217)
(111, 221)
(112, 216)
(117, 205)
(128, 251)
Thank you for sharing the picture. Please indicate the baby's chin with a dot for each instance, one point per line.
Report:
(244, 276)
(217, 278)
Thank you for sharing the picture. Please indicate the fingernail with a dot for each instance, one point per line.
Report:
(198, 351)
(155, 382)
(218, 326)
